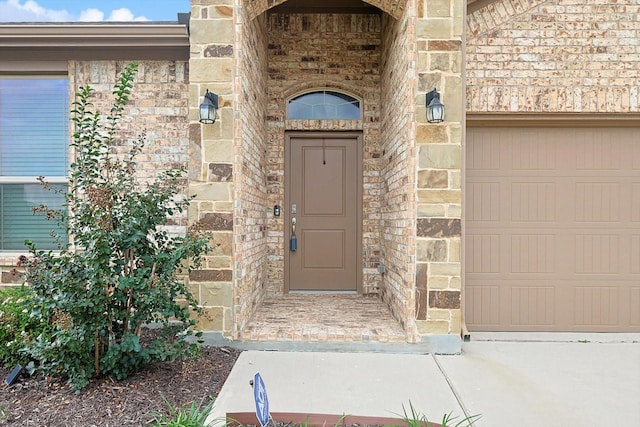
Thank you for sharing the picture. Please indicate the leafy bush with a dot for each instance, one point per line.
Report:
(17, 326)
(124, 269)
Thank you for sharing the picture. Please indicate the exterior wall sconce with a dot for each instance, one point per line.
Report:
(209, 108)
(435, 109)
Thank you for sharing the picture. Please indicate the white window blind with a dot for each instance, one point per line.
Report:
(34, 122)
(324, 105)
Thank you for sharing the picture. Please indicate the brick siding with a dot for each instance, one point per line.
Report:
(251, 196)
(398, 168)
(158, 107)
(554, 56)
(311, 51)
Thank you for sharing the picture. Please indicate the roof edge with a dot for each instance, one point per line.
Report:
(48, 41)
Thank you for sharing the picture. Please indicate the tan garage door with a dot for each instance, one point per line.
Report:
(552, 229)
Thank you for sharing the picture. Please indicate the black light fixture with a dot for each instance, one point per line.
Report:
(209, 108)
(14, 375)
(435, 109)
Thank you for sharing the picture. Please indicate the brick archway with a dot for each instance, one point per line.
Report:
(394, 8)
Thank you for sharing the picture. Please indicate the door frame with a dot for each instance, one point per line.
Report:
(286, 208)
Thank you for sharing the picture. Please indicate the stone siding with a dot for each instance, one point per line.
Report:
(535, 56)
(213, 166)
(438, 279)
(229, 159)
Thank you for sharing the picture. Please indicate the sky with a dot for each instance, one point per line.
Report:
(91, 10)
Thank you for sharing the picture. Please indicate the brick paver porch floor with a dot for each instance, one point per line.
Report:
(323, 318)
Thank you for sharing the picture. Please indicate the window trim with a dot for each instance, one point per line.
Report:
(27, 73)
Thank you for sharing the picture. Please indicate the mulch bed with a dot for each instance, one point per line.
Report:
(41, 401)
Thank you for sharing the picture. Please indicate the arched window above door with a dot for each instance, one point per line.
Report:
(324, 105)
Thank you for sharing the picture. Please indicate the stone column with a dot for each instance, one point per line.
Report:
(211, 67)
(438, 274)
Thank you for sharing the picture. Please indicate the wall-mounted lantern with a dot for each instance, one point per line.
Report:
(435, 109)
(209, 108)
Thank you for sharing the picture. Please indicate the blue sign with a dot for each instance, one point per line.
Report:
(262, 403)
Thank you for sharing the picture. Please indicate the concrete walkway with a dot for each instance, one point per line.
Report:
(510, 379)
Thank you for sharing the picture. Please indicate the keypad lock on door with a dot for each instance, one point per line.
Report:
(293, 240)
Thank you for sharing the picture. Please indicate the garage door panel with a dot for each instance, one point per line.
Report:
(635, 202)
(533, 306)
(635, 255)
(596, 306)
(552, 239)
(532, 153)
(539, 308)
(486, 304)
(483, 201)
(485, 155)
(483, 253)
(533, 253)
(533, 201)
(595, 152)
(634, 303)
(597, 254)
(597, 201)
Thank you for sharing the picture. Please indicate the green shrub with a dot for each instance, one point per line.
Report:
(17, 326)
(124, 270)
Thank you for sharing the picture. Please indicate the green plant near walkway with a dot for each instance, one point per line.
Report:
(17, 326)
(194, 415)
(124, 269)
(415, 418)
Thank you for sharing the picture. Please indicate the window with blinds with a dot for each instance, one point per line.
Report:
(34, 129)
(324, 105)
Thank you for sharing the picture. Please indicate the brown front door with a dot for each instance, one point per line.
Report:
(323, 176)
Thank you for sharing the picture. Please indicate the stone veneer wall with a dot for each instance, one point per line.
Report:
(398, 168)
(554, 56)
(228, 160)
(212, 157)
(311, 51)
(158, 106)
(440, 29)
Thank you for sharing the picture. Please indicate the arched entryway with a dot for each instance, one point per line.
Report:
(394, 8)
(308, 52)
(257, 54)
